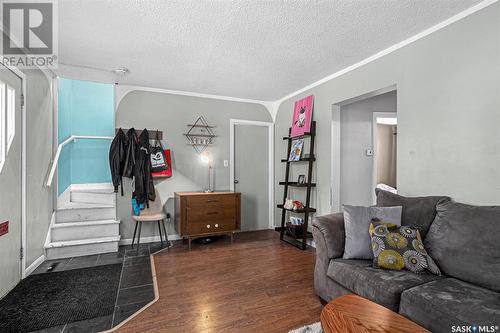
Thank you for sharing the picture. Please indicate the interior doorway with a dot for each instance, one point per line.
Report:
(251, 173)
(385, 131)
(354, 148)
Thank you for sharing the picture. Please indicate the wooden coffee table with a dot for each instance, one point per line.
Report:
(352, 313)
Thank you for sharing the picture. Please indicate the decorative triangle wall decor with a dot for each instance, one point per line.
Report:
(200, 135)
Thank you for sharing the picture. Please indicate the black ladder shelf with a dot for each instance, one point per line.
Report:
(308, 185)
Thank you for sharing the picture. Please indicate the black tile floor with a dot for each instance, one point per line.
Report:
(135, 290)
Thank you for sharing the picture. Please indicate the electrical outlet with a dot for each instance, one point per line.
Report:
(226, 163)
(369, 152)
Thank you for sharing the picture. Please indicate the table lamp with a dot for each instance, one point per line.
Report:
(205, 158)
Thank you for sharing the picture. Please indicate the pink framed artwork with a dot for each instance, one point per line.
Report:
(302, 116)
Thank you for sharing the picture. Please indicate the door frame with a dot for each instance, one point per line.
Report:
(16, 71)
(270, 179)
(374, 147)
(335, 157)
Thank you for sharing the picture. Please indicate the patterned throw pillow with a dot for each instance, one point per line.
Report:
(399, 247)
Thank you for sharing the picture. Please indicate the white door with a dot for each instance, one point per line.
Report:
(10, 179)
(251, 168)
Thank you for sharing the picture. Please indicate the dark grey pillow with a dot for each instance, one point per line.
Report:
(464, 242)
(418, 212)
(357, 221)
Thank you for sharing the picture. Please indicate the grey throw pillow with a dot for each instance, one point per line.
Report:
(418, 212)
(357, 221)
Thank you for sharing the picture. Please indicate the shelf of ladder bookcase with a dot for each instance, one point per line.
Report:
(311, 210)
(309, 234)
(296, 184)
(304, 159)
(305, 135)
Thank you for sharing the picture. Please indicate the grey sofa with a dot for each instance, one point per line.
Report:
(463, 240)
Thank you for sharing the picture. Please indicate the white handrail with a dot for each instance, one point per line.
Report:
(64, 143)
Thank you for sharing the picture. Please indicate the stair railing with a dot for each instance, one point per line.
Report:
(61, 146)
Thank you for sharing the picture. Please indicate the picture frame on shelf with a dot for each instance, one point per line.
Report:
(301, 180)
(296, 150)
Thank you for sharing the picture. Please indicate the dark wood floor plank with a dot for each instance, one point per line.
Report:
(257, 284)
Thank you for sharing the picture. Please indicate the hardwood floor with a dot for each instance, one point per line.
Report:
(257, 284)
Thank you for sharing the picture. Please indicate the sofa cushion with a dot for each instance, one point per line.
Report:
(440, 305)
(357, 219)
(464, 241)
(418, 212)
(381, 286)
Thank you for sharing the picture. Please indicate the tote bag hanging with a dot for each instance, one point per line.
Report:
(158, 157)
(168, 171)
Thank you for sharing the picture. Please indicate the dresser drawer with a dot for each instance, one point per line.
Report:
(202, 214)
(213, 201)
(211, 227)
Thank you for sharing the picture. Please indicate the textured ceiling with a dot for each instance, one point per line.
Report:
(248, 49)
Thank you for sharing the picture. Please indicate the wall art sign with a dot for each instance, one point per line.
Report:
(302, 116)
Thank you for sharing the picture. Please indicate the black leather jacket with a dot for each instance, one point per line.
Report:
(122, 157)
(117, 159)
(144, 187)
(130, 148)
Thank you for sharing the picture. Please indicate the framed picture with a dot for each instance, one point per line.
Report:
(302, 116)
(296, 150)
(301, 180)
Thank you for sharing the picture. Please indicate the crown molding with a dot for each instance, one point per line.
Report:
(122, 90)
(395, 47)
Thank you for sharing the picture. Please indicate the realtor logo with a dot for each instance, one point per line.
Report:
(29, 36)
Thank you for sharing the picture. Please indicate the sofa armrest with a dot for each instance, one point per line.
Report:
(329, 229)
(328, 232)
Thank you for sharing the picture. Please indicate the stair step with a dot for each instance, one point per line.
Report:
(82, 247)
(80, 212)
(61, 232)
(93, 196)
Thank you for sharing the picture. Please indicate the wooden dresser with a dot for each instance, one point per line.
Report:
(200, 214)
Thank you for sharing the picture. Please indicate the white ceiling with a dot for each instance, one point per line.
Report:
(260, 50)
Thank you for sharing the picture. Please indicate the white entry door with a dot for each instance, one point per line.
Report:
(10, 179)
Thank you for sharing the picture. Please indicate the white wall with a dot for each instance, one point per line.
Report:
(356, 135)
(448, 86)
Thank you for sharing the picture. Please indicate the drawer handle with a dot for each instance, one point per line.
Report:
(212, 200)
(208, 226)
(216, 225)
(212, 213)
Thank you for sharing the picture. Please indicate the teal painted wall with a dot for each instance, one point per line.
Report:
(84, 108)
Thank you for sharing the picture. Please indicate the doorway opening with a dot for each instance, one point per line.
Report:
(359, 162)
(385, 131)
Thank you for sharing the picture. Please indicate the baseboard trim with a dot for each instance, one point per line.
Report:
(150, 239)
(34, 265)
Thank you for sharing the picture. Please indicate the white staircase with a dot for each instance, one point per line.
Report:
(85, 222)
